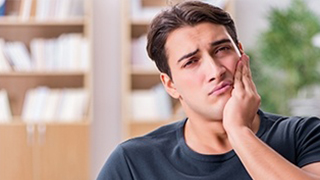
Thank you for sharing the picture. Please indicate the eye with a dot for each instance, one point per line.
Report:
(190, 62)
(223, 49)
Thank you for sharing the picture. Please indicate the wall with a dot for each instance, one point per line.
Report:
(105, 131)
(251, 17)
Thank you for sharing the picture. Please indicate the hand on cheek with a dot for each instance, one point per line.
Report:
(244, 102)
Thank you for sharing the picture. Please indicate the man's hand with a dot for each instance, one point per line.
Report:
(261, 161)
(243, 105)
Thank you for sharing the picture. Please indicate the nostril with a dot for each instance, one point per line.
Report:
(212, 79)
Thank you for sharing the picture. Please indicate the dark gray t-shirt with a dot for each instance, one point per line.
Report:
(163, 154)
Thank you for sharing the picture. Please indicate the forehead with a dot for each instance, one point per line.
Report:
(202, 29)
(189, 38)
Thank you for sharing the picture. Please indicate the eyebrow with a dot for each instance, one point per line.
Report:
(216, 43)
(188, 55)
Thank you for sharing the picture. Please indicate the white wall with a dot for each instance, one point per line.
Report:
(251, 17)
(105, 131)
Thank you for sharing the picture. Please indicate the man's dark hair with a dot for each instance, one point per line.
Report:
(189, 13)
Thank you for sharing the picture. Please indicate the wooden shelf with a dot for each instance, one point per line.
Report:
(17, 121)
(61, 149)
(140, 22)
(43, 73)
(144, 71)
(15, 21)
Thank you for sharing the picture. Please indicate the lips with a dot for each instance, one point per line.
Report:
(221, 88)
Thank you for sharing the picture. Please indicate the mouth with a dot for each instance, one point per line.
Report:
(221, 88)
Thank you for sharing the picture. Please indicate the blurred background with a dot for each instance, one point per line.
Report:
(75, 79)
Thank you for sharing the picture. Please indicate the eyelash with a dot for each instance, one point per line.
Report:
(224, 48)
(190, 62)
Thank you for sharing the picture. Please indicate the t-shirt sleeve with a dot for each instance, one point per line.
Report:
(308, 141)
(116, 167)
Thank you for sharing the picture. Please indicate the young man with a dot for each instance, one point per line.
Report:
(225, 135)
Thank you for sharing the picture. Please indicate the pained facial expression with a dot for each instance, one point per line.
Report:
(202, 60)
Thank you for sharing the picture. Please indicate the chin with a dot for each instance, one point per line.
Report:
(217, 116)
(216, 111)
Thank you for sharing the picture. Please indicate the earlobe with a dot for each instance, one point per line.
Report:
(169, 85)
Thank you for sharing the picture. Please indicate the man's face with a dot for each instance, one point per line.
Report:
(202, 60)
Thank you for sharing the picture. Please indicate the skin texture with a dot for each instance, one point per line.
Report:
(215, 88)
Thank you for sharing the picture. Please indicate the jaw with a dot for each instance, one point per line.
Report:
(206, 108)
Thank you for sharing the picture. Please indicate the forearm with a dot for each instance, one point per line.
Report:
(261, 161)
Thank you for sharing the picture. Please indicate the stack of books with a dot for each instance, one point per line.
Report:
(152, 104)
(43, 10)
(68, 52)
(43, 104)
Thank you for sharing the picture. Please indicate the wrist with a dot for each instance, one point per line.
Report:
(234, 127)
(237, 129)
(238, 133)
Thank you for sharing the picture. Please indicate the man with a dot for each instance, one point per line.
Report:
(225, 135)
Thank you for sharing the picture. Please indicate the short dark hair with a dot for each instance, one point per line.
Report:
(189, 13)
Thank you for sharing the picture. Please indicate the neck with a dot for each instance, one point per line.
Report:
(210, 137)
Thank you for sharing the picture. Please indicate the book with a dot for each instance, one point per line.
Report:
(34, 105)
(5, 111)
(140, 58)
(37, 53)
(27, 114)
(51, 105)
(143, 105)
(68, 52)
(25, 9)
(163, 102)
(73, 105)
(2, 7)
(76, 8)
(43, 104)
(151, 104)
(219, 3)
(18, 56)
(4, 63)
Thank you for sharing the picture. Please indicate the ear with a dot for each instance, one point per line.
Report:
(169, 85)
(240, 47)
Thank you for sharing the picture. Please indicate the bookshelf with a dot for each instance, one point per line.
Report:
(137, 75)
(39, 149)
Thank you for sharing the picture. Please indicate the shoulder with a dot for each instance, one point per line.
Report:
(295, 122)
(297, 138)
(163, 136)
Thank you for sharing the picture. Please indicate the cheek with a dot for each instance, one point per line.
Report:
(188, 82)
(231, 65)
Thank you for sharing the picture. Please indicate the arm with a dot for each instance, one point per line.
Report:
(261, 161)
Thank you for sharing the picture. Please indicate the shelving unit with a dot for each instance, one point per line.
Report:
(137, 78)
(44, 150)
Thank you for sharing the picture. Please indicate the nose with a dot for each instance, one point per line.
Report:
(213, 69)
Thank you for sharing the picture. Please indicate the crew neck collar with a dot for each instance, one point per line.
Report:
(214, 157)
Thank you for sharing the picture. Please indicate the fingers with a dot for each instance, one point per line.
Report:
(238, 76)
(246, 75)
(246, 71)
